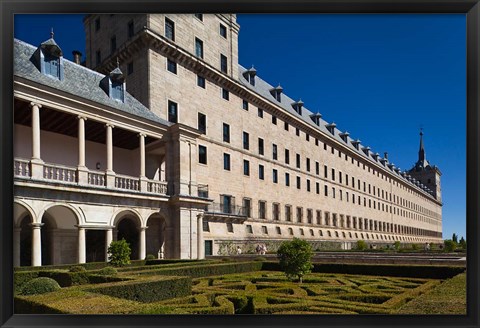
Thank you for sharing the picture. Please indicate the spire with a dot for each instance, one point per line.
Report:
(421, 151)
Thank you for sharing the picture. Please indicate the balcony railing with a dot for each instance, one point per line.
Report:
(202, 190)
(71, 176)
(226, 209)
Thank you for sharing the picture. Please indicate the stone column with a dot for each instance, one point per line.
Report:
(16, 247)
(82, 171)
(108, 241)
(36, 244)
(110, 175)
(81, 245)
(200, 242)
(36, 161)
(143, 178)
(142, 244)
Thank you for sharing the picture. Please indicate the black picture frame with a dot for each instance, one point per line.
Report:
(471, 8)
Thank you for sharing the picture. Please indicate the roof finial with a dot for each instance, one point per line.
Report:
(51, 33)
(118, 63)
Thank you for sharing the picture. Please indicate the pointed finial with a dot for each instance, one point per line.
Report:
(421, 131)
(51, 33)
(118, 63)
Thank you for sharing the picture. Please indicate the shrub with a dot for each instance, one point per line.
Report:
(397, 245)
(449, 245)
(40, 286)
(150, 257)
(295, 258)
(119, 253)
(107, 271)
(361, 245)
(77, 268)
(66, 279)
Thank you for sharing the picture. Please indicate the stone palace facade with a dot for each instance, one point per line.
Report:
(162, 138)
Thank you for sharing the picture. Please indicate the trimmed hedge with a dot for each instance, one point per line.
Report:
(24, 306)
(87, 266)
(40, 285)
(148, 291)
(20, 278)
(413, 271)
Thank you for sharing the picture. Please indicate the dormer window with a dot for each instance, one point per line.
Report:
(375, 156)
(297, 106)
(277, 93)
(355, 143)
(250, 75)
(114, 84)
(344, 136)
(316, 118)
(366, 150)
(331, 127)
(49, 58)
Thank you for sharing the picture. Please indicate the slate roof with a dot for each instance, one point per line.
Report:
(79, 81)
(262, 88)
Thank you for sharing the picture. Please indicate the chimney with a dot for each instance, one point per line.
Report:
(77, 56)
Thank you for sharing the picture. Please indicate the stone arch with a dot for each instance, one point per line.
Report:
(59, 233)
(156, 235)
(127, 224)
(21, 209)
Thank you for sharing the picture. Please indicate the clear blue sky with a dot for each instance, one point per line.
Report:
(380, 77)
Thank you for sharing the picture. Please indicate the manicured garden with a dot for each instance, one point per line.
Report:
(250, 287)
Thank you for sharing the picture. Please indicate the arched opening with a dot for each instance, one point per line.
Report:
(95, 245)
(155, 235)
(26, 241)
(59, 236)
(127, 229)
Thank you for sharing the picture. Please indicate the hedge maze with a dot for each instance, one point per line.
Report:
(216, 287)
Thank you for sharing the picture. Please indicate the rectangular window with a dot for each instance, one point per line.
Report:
(275, 176)
(98, 57)
(202, 154)
(333, 192)
(287, 156)
(339, 177)
(172, 112)
(261, 172)
(298, 161)
(325, 173)
(200, 81)
(229, 227)
(198, 48)
(326, 191)
(223, 63)
(223, 31)
(262, 209)
(260, 112)
(285, 126)
(317, 168)
(297, 131)
(274, 152)
(130, 29)
(299, 214)
(249, 228)
(113, 44)
(260, 146)
(287, 179)
(308, 164)
(246, 140)
(274, 119)
(279, 230)
(227, 203)
(202, 123)
(225, 94)
(171, 66)
(199, 17)
(333, 174)
(308, 185)
(226, 132)
(169, 29)
(299, 185)
(317, 188)
(247, 207)
(97, 24)
(206, 227)
(246, 167)
(226, 161)
(265, 230)
(276, 211)
(309, 216)
(288, 213)
(245, 104)
(307, 137)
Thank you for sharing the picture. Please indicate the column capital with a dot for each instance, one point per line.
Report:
(37, 225)
(109, 125)
(143, 228)
(141, 134)
(35, 104)
(200, 216)
(81, 117)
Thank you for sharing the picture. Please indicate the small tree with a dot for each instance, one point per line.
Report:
(361, 245)
(455, 238)
(463, 243)
(119, 253)
(397, 245)
(450, 245)
(295, 258)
